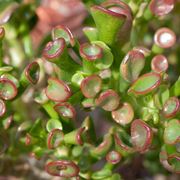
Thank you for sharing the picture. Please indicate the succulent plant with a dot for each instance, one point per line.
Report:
(124, 77)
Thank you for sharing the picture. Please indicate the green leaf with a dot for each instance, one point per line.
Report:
(53, 124)
(175, 89)
(172, 132)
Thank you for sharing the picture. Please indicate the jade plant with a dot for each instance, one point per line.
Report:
(126, 79)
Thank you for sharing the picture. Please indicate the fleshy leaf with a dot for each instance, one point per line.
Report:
(172, 132)
(161, 7)
(55, 138)
(65, 110)
(8, 89)
(141, 135)
(108, 100)
(124, 114)
(53, 124)
(164, 37)
(91, 33)
(63, 32)
(57, 90)
(62, 168)
(132, 65)
(90, 52)
(171, 107)
(113, 157)
(91, 85)
(159, 63)
(145, 84)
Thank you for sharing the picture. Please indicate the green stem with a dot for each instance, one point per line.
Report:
(48, 107)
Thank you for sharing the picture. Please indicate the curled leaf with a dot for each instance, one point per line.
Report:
(54, 49)
(113, 157)
(141, 135)
(91, 85)
(108, 100)
(159, 63)
(171, 107)
(63, 32)
(8, 89)
(75, 137)
(57, 90)
(91, 33)
(90, 52)
(164, 37)
(123, 142)
(55, 138)
(145, 84)
(124, 114)
(65, 110)
(132, 65)
(172, 132)
(161, 7)
(53, 124)
(62, 168)
(31, 74)
(103, 147)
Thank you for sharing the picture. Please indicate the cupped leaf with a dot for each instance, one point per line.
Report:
(159, 63)
(145, 84)
(174, 161)
(63, 32)
(55, 138)
(171, 162)
(30, 74)
(75, 136)
(57, 90)
(171, 107)
(8, 89)
(172, 132)
(77, 79)
(103, 147)
(161, 7)
(65, 110)
(91, 33)
(112, 18)
(56, 52)
(53, 124)
(2, 108)
(90, 52)
(132, 65)
(11, 78)
(141, 135)
(143, 50)
(91, 85)
(124, 114)
(164, 37)
(123, 142)
(62, 168)
(107, 57)
(113, 157)
(108, 100)
(54, 49)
